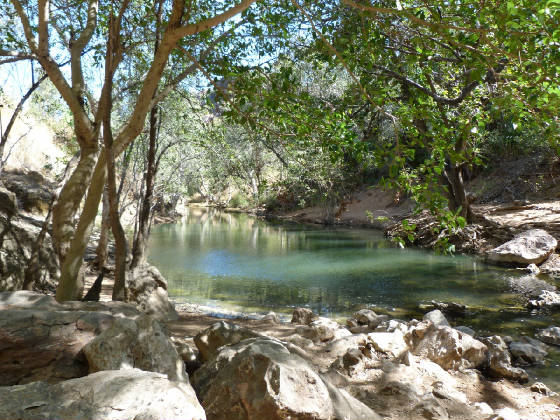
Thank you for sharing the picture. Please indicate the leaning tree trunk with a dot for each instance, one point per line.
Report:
(111, 61)
(69, 200)
(101, 250)
(142, 234)
(66, 236)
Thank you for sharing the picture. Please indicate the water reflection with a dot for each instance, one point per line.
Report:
(222, 259)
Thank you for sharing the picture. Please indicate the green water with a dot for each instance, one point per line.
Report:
(236, 262)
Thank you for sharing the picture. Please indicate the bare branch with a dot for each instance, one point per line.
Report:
(195, 28)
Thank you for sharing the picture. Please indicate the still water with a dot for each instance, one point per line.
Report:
(236, 262)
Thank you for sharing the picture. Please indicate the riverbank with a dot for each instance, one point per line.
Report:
(368, 359)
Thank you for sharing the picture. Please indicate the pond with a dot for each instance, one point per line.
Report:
(235, 262)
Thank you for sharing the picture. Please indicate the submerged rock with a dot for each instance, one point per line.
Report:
(532, 246)
(130, 394)
(529, 286)
(466, 330)
(550, 335)
(527, 351)
(259, 378)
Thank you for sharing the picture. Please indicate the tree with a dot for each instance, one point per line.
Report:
(76, 26)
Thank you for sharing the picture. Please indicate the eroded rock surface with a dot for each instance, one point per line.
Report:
(527, 351)
(551, 266)
(220, 334)
(445, 346)
(546, 300)
(259, 378)
(550, 335)
(147, 288)
(303, 316)
(109, 395)
(499, 361)
(140, 343)
(530, 247)
(41, 339)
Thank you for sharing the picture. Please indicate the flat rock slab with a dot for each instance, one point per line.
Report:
(530, 247)
(109, 395)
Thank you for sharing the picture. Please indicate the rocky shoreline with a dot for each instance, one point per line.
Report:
(132, 365)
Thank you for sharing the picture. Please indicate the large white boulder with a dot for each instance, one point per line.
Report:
(140, 343)
(129, 394)
(445, 346)
(259, 378)
(530, 247)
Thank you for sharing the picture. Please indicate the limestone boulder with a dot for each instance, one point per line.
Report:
(8, 202)
(42, 340)
(339, 347)
(34, 192)
(499, 361)
(187, 353)
(445, 346)
(551, 266)
(303, 316)
(436, 317)
(259, 378)
(147, 289)
(140, 343)
(550, 335)
(109, 395)
(547, 300)
(220, 334)
(365, 316)
(530, 247)
(17, 244)
(321, 330)
(45, 345)
(390, 343)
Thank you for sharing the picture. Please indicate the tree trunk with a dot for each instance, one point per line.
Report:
(69, 201)
(141, 239)
(101, 250)
(142, 234)
(111, 60)
(457, 195)
(71, 284)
